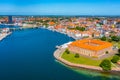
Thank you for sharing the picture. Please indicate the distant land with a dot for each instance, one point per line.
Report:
(110, 16)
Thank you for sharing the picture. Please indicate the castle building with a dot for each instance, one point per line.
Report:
(90, 47)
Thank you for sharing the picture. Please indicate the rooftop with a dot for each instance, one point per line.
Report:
(91, 44)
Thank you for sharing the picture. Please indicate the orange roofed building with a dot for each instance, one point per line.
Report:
(90, 47)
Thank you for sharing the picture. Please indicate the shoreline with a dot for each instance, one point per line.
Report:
(58, 53)
(4, 35)
(62, 32)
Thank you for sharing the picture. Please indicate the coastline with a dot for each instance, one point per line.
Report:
(58, 53)
(4, 35)
(62, 32)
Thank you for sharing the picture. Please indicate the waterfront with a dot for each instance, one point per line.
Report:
(4, 35)
(28, 55)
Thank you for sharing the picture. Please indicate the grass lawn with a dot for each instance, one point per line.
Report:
(81, 60)
(116, 43)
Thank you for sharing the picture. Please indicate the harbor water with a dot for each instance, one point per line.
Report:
(28, 55)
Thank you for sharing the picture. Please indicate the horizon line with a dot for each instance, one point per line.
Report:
(57, 15)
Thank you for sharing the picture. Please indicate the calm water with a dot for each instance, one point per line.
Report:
(28, 55)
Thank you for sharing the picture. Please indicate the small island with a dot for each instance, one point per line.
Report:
(94, 54)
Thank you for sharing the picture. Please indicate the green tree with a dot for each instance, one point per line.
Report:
(119, 50)
(106, 52)
(67, 51)
(103, 38)
(80, 28)
(77, 28)
(77, 55)
(93, 35)
(109, 40)
(115, 59)
(115, 38)
(105, 65)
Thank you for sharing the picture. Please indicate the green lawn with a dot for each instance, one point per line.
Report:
(116, 43)
(81, 60)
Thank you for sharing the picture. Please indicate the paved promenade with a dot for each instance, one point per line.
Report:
(58, 54)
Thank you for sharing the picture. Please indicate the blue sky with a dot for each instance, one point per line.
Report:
(60, 7)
